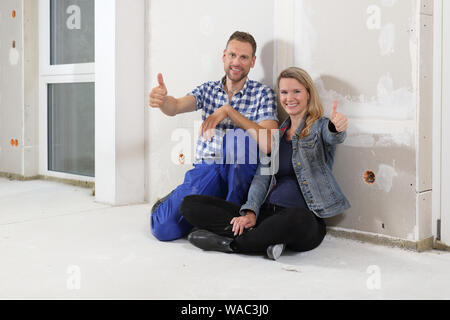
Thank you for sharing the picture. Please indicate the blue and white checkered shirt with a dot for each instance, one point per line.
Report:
(255, 101)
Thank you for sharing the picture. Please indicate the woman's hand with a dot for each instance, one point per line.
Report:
(210, 123)
(338, 119)
(244, 222)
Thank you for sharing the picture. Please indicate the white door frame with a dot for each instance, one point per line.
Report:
(120, 101)
(441, 121)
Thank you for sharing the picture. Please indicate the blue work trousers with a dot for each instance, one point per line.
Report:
(229, 180)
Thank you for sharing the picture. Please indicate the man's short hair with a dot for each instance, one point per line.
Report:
(244, 37)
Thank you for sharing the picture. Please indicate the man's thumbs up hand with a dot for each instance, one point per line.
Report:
(157, 95)
(161, 82)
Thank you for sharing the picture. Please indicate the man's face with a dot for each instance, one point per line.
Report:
(238, 59)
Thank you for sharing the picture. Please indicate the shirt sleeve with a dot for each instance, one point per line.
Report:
(257, 191)
(199, 94)
(268, 107)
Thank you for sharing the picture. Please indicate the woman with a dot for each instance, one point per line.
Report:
(287, 208)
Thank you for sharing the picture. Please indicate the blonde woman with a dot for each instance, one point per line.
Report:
(287, 208)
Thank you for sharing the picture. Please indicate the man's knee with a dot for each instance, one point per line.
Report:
(168, 229)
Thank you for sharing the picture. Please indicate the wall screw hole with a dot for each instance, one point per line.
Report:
(369, 177)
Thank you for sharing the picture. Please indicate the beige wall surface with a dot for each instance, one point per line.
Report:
(366, 54)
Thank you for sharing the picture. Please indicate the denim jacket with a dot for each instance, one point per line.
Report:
(312, 159)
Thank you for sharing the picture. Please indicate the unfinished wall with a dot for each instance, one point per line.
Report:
(18, 87)
(373, 56)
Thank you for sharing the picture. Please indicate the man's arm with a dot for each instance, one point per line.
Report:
(260, 132)
(170, 106)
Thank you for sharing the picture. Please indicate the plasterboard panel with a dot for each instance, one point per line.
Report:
(386, 206)
(425, 114)
(11, 87)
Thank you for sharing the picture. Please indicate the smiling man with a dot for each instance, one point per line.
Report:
(234, 102)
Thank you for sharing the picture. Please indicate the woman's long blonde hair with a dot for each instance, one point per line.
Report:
(315, 108)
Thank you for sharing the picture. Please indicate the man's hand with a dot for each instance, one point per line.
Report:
(245, 222)
(338, 119)
(158, 94)
(209, 125)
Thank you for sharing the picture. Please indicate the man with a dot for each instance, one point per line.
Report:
(233, 102)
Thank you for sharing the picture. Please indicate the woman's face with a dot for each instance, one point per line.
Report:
(293, 97)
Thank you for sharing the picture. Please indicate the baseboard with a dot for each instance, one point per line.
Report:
(419, 246)
(441, 246)
(18, 177)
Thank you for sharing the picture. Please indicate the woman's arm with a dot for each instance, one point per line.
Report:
(257, 192)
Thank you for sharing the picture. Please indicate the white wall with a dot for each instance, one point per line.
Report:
(119, 101)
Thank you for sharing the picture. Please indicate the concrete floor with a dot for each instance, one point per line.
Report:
(56, 242)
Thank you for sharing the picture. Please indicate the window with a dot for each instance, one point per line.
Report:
(71, 128)
(72, 31)
(67, 89)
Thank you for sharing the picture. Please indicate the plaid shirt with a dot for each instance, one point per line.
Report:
(255, 101)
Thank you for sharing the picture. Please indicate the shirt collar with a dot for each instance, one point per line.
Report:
(221, 85)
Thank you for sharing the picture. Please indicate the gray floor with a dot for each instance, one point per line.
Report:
(56, 242)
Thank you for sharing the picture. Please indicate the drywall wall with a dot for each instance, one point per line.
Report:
(373, 56)
(186, 46)
(18, 87)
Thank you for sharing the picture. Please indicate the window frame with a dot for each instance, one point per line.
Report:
(53, 74)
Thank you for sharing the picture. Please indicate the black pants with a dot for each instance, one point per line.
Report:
(298, 228)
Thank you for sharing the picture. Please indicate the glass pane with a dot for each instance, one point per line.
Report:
(71, 130)
(71, 31)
